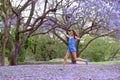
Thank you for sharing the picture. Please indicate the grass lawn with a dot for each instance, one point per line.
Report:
(69, 61)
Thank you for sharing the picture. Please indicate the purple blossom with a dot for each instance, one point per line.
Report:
(51, 72)
(14, 20)
(50, 22)
(36, 0)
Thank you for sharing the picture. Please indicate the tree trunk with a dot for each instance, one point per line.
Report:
(14, 53)
(14, 56)
(4, 41)
(13, 59)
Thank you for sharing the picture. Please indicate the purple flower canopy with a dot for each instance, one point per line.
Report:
(50, 21)
(108, 11)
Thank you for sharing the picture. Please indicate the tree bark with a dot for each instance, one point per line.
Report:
(4, 41)
(14, 55)
(13, 59)
(6, 25)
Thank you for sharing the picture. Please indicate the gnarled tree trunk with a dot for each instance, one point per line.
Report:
(14, 56)
(4, 41)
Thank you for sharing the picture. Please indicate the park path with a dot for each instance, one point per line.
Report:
(52, 72)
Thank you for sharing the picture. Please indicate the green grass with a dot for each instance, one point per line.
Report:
(6, 61)
(60, 61)
(106, 62)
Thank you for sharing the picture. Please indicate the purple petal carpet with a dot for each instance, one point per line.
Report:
(52, 72)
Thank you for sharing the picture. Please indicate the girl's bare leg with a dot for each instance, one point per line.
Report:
(65, 59)
(77, 59)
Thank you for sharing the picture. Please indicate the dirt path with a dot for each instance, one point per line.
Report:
(52, 72)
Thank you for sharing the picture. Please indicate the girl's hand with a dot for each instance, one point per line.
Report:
(66, 35)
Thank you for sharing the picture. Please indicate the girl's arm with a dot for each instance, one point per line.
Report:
(66, 35)
(76, 37)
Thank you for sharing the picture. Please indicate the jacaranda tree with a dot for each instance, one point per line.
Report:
(25, 16)
(98, 18)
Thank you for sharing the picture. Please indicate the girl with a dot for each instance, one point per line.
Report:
(72, 48)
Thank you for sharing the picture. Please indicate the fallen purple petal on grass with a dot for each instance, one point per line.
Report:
(52, 72)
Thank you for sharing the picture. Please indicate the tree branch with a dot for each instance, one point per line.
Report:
(60, 37)
(30, 15)
(44, 32)
(4, 7)
(24, 6)
(45, 6)
(42, 18)
(94, 39)
(114, 54)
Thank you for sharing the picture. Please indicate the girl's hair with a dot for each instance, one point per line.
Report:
(74, 33)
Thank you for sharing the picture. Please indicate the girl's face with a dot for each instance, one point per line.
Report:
(71, 33)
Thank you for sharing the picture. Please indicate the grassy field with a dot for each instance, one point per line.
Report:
(60, 61)
(69, 61)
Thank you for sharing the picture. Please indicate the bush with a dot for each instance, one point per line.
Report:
(21, 57)
(100, 49)
(47, 48)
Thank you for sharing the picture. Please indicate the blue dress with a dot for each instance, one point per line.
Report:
(71, 45)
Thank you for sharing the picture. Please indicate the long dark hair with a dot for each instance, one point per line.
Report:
(74, 33)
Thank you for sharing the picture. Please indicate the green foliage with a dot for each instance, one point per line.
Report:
(13, 34)
(28, 43)
(47, 48)
(100, 49)
(1, 9)
(0, 19)
(0, 5)
(22, 54)
(21, 57)
(7, 52)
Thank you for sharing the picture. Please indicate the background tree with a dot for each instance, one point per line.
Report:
(26, 18)
(0, 29)
(96, 18)
(6, 29)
